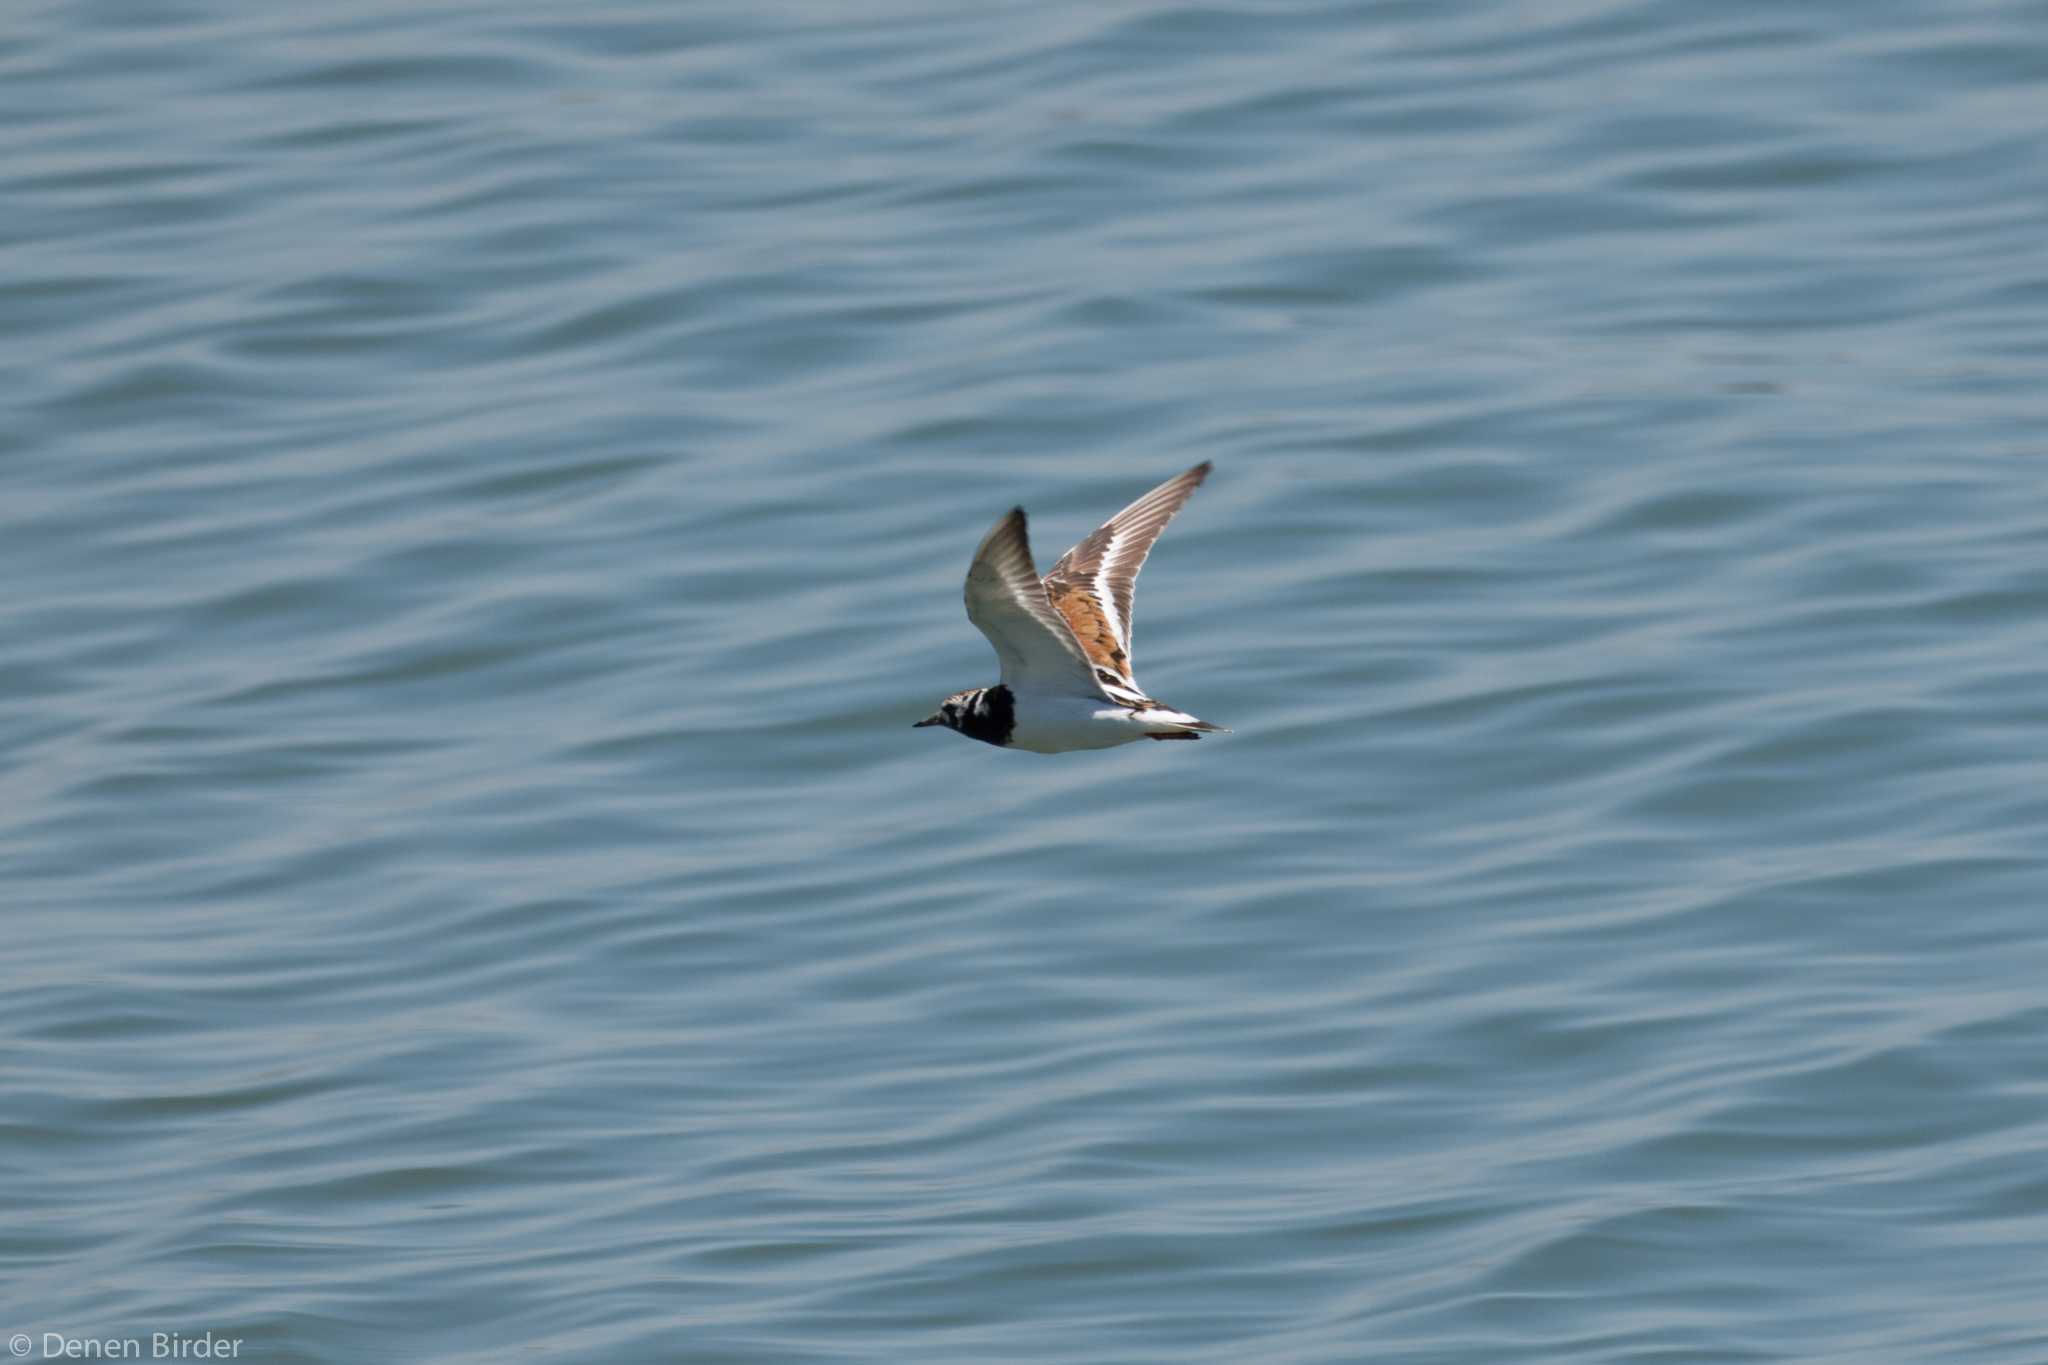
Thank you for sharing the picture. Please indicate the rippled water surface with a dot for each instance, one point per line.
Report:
(485, 493)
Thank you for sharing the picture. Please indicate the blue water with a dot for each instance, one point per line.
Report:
(484, 491)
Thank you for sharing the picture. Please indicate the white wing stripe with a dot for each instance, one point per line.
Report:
(1106, 599)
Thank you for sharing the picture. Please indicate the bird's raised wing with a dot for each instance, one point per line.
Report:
(1008, 604)
(1091, 586)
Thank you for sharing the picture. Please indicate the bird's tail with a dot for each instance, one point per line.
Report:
(1180, 725)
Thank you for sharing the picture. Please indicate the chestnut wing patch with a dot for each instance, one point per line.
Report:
(1091, 626)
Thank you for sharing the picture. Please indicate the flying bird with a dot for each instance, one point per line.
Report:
(1064, 641)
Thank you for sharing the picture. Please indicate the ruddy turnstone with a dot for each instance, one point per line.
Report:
(1064, 641)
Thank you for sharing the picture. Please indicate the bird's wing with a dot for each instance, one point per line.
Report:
(1092, 584)
(1008, 604)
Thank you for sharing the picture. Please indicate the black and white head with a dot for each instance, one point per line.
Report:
(988, 714)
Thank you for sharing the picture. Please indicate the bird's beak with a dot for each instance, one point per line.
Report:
(929, 720)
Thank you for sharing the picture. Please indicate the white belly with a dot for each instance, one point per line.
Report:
(1055, 724)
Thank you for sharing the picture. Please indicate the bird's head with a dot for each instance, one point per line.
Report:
(951, 710)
